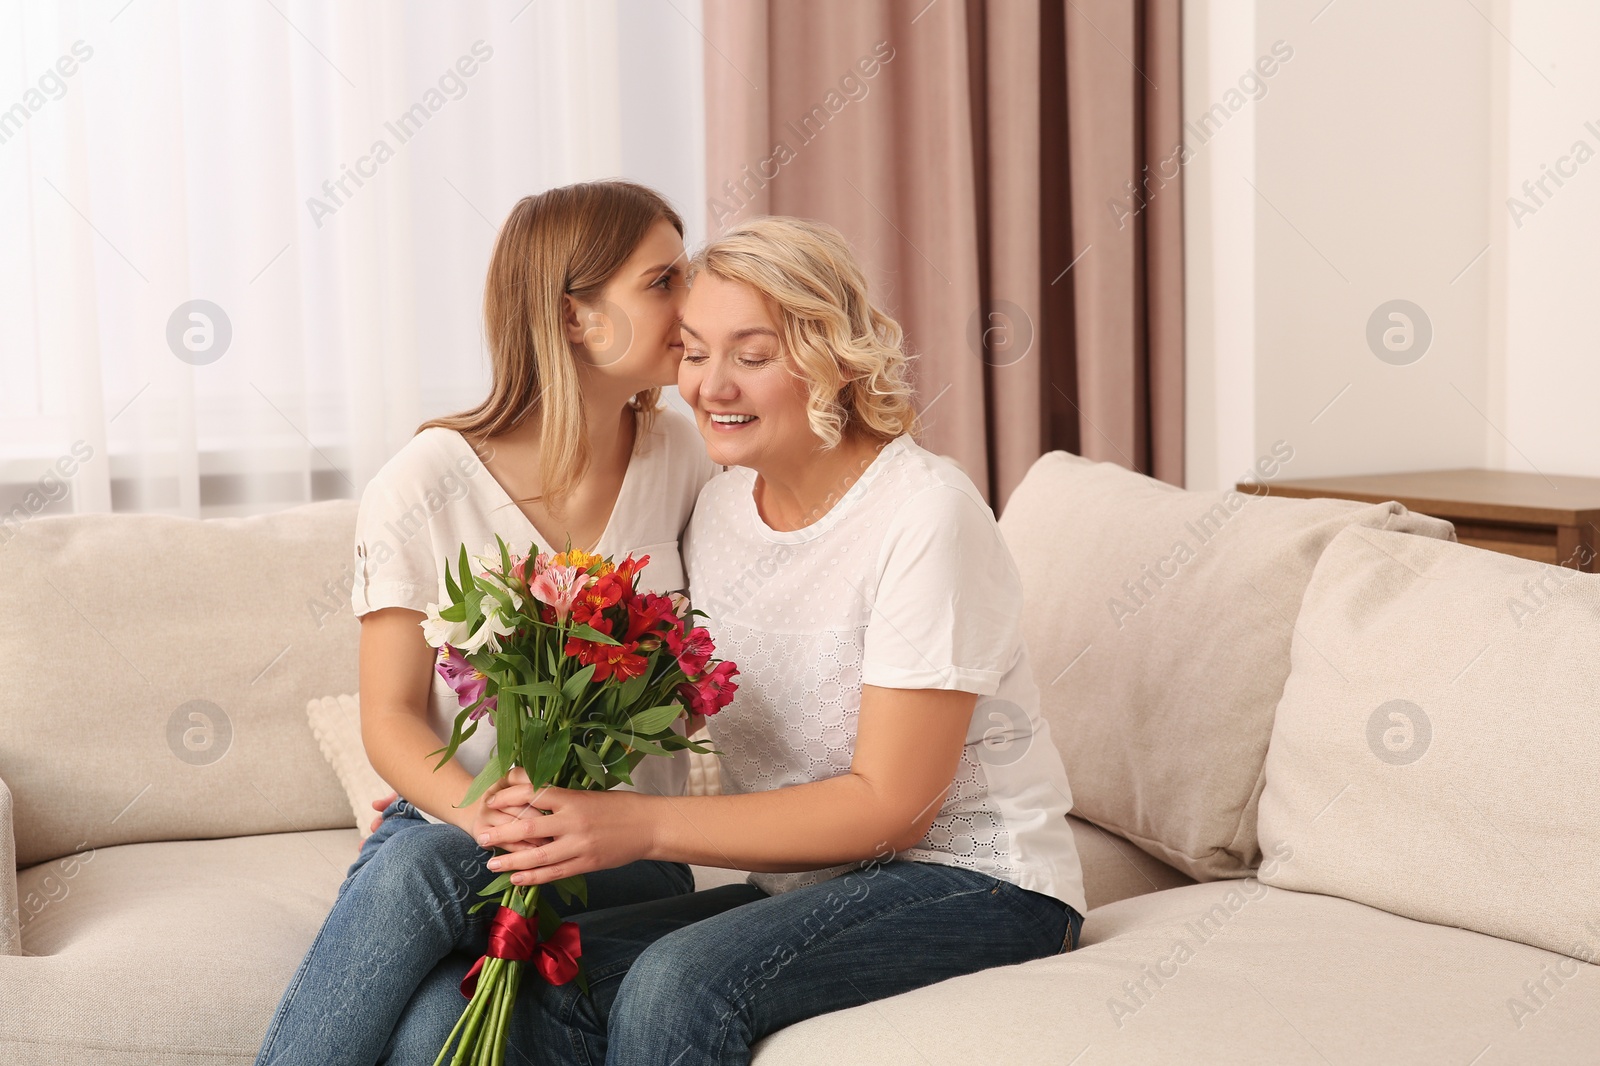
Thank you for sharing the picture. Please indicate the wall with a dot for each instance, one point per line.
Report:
(1370, 166)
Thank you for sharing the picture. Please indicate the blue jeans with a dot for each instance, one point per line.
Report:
(401, 909)
(699, 978)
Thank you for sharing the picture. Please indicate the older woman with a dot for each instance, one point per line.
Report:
(887, 775)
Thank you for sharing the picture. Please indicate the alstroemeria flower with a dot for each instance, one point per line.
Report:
(489, 633)
(709, 694)
(465, 679)
(437, 632)
(696, 650)
(621, 661)
(559, 587)
(602, 593)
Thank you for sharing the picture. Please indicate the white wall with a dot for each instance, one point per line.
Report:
(1373, 167)
(1547, 367)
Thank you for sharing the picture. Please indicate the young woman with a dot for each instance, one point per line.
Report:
(581, 308)
(889, 779)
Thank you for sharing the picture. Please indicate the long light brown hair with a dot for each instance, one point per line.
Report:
(565, 241)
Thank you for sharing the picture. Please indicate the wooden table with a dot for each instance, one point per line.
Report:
(1549, 519)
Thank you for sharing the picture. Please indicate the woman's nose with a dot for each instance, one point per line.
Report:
(719, 384)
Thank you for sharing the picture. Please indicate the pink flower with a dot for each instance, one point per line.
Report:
(465, 679)
(696, 650)
(709, 694)
(559, 587)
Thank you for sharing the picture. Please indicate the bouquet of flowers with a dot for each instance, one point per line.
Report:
(581, 676)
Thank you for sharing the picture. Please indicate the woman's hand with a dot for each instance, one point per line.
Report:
(584, 831)
(485, 818)
(380, 806)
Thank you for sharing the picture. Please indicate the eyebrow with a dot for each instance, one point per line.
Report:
(738, 334)
(665, 268)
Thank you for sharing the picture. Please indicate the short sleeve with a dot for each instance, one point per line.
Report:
(946, 612)
(394, 564)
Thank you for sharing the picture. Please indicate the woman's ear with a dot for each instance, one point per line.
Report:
(573, 319)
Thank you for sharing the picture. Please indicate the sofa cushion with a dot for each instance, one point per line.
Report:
(1233, 972)
(1435, 750)
(1158, 625)
(1114, 869)
(336, 725)
(151, 954)
(154, 673)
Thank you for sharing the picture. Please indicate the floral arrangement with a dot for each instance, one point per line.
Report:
(581, 675)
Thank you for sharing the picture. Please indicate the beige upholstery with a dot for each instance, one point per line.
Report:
(1270, 977)
(1114, 869)
(1436, 750)
(10, 917)
(182, 654)
(152, 954)
(1158, 625)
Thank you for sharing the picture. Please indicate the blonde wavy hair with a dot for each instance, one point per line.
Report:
(849, 353)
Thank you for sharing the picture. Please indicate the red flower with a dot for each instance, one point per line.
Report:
(621, 661)
(630, 567)
(694, 650)
(605, 592)
(709, 694)
(646, 612)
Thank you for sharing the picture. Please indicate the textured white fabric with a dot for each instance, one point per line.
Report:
(336, 723)
(434, 495)
(903, 583)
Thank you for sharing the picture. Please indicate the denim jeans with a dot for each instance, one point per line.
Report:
(401, 909)
(699, 978)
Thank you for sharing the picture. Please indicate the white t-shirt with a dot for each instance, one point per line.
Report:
(904, 583)
(435, 495)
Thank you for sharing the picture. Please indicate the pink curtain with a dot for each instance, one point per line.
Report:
(1008, 174)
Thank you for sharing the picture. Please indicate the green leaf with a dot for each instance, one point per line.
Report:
(534, 688)
(492, 771)
(456, 612)
(533, 738)
(451, 587)
(593, 635)
(552, 755)
(457, 736)
(654, 720)
(577, 683)
(476, 907)
(635, 742)
(505, 557)
(632, 689)
(497, 886)
(591, 765)
(576, 885)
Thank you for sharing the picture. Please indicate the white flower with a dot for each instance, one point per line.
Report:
(493, 628)
(438, 632)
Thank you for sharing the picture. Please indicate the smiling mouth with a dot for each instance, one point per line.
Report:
(731, 420)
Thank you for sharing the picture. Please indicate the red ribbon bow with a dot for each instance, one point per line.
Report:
(511, 936)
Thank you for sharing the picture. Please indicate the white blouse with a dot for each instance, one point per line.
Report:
(435, 495)
(904, 583)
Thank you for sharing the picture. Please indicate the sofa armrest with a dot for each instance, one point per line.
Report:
(10, 917)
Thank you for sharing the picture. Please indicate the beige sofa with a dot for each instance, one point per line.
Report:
(1337, 794)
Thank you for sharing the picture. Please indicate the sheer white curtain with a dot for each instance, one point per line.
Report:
(326, 180)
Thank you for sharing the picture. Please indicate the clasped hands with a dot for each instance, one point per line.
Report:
(551, 833)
